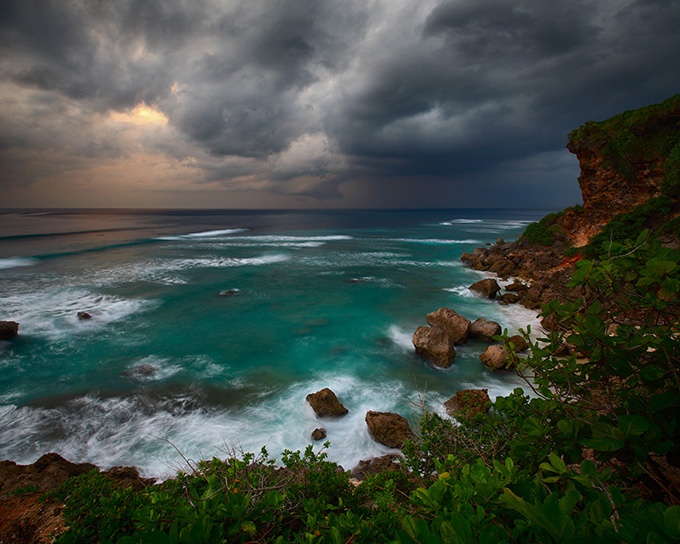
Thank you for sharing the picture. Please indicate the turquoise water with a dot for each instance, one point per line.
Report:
(209, 328)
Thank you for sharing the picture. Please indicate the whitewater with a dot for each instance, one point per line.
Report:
(209, 328)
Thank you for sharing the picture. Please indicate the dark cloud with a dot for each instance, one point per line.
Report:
(306, 98)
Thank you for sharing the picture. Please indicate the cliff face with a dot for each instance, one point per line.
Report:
(624, 162)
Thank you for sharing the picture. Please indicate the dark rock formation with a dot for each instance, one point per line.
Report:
(518, 342)
(468, 403)
(484, 330)
(319, 434)
(83, 316)
(8, 330)
(434, 345)
(375, 465)
(496, 357)
(326, 404)
(391, 430)
(486, 288)
(453, 324)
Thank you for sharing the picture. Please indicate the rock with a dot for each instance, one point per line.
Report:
(495, 357)
(485, 330)
(376, 465)
(228, 293)
(519, 343)
(516, 286)
(326, 404)
(452, 323)
(83, 316)
(468, 403)
(391, 430)
(487, 287)
(46, 474)
(319, 434)
(434, 345)
(508, 298)
(8, 330)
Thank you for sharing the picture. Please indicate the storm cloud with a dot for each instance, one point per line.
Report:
(317, 103)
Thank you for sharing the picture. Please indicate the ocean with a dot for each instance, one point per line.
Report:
(209, 327)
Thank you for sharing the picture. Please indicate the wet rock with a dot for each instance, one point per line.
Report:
(519, 343)
(468, 403)
(484, 330)
(496, 358)
(319, 434)
(8, 330)
(434, 345)
(326, 404)
(452, 323)
(391, 430)
(516, 286)
(84, 316)
(376, 465)
(228, 293)
(508, 298)
(487, 288)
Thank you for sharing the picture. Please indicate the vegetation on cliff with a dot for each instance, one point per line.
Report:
(631, 172)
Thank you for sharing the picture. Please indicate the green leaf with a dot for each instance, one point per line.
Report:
(606, 437)
(671, 521)
(633, 425)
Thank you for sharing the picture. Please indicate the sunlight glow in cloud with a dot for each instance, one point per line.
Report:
(140, 115)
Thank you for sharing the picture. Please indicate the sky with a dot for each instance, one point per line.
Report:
(317, 103)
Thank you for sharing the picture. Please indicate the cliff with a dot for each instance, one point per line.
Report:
(629, 180)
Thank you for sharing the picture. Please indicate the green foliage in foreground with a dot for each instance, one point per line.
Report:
(652, 214)
(582, 459)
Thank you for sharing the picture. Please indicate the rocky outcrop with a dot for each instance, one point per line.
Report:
(326, 404)
(8, 330)
(29, 516)
(486, 288)
(375, 465)
(484, 330)
(452, 323)
(518, 342)
(627, 167)
(496, 357)
(84, 316)
(468, 403)
(391, 430)
(435, 346)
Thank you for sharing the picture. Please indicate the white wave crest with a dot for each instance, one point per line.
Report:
(54, 314)
(16, 262)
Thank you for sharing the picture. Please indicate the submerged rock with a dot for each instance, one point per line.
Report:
(228, 293)
(8, 330)
(83, 316)
(391, 430)
(451, 322)
(434, 345)
(468, 403)
(326, 404)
